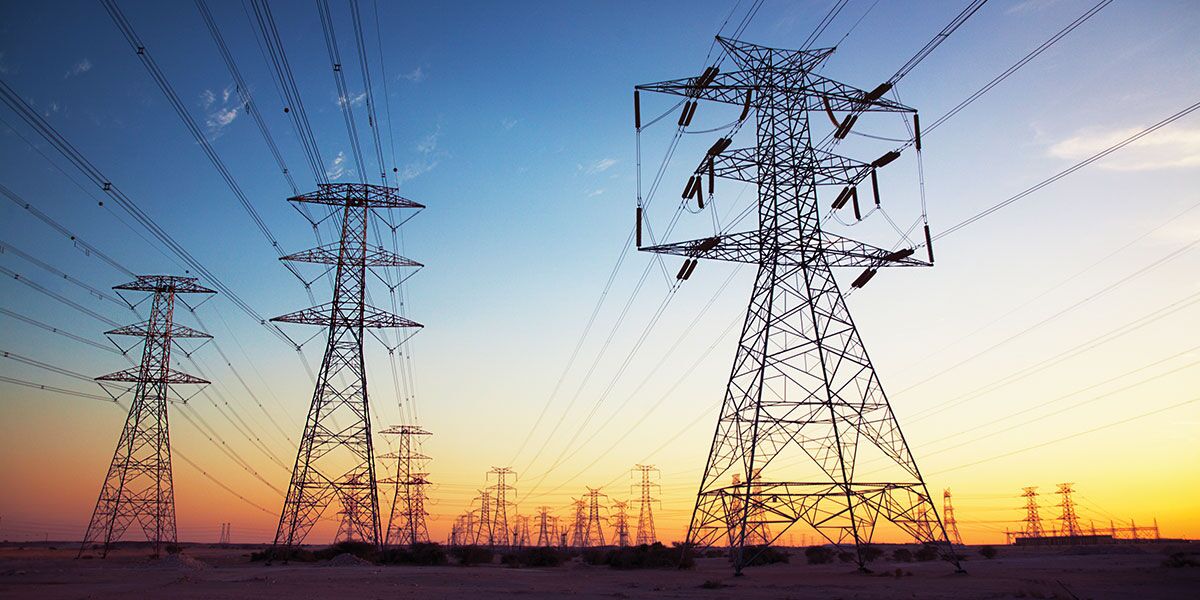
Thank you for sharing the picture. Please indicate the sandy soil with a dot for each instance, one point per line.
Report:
(1118, 572)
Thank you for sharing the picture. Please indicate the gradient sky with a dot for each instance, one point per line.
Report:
(512, 122)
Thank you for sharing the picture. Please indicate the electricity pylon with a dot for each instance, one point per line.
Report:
(1033, 521)
(138, 487)
(621, 522)
(336, 457)
(646, 500)
(546, 534)
(1068, 518)
(579, 524)
(484, 534)
(225, 534)
(593, 529)
(803, 398)
(406, 523)
(948, 518)
(500, 526)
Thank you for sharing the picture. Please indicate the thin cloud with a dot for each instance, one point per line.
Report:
(429, 143)
(598, 166)
(354, 100)
(337, 168)
(508, 124)
(218, 117)
(594, 193)
(1169, 148)
(79, 68)
(416, 75)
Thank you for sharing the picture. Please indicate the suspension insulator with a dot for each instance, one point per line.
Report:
(690, 113)
(843, 130)
(710, 74)
(746, 107)
(683, 269)
(898, 255)
(637, 110)
(842, 197)
(917, 131)
(875, 186)
(719, 146)
(683, 115)
(928, 243)
(886, 158)
(712, 173)
(639, 227)
(692, 267)
(854, 201)
(687, 189)
(878, 92)
(863, 279)
(708, 244)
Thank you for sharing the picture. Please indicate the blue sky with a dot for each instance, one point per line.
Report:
(512, 122)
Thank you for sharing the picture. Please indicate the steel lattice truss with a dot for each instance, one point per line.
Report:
(803, 406)
(138, 488)
(336, 459)
(406, 523)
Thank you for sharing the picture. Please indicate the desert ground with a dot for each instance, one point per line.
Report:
(1122, 572)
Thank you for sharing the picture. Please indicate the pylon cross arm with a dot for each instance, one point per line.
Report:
(371, 317)
(746, 247)
(743, 164)
(133, 375)
(804, 91)
(329, 255)
(143, 330)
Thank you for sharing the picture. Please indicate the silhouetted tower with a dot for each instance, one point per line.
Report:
(520, 532)
(1068, 518)
(948, 517)
(336, 457)
(579, 524)
(500, 524)
(225, 534)
(546, 535)
(621, 522)
(593, 529)
(1033, 521)
(484, 533)
(406, 523)
(138, 487)
(802, 391)
(646, 500)
(758, 529)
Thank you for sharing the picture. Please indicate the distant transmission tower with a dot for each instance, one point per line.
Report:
(579, 524)
(621, 522)
(1068, 518)
(520, 532)
(646, 500)
(948, 517)
(500, 524)
(138, 487)
(484, 533)
(1033, 521)
(225, 534)
(802, 389)
(406, 523)
(593, 529)
(546, 535)
(336, 458)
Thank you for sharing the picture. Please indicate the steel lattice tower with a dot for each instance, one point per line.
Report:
(579, 525)
(645, 526)
(500, 527)
(1033, 521)
(948, 517)
(593, 528)
(546, 533)
(621, 522)
(1068, 518)
(802, 390)
(484, 531)
(138, 487)
(406, 523)
(336, 457)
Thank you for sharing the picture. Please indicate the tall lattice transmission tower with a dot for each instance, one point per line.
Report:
(621, 522)
(579, 523)
(336, 458)
(138, 487)
(406, 522)
(1033, 521)
(803, 400)
(500, 524)
(547, 534)
(593, 528)
(1068, 518)
(645, 525)
(484, 532)
(948, 517)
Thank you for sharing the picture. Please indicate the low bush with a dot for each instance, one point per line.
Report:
(472, 555)
(646, 556)
(902, 555)
(1181, 559)
(818, 555)
(926, 553)
(870, 553)
(361, 550)
(988, 552)
(271, 554)
(846, 556)
(765, 555)
(171, 548)
(425, 554)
